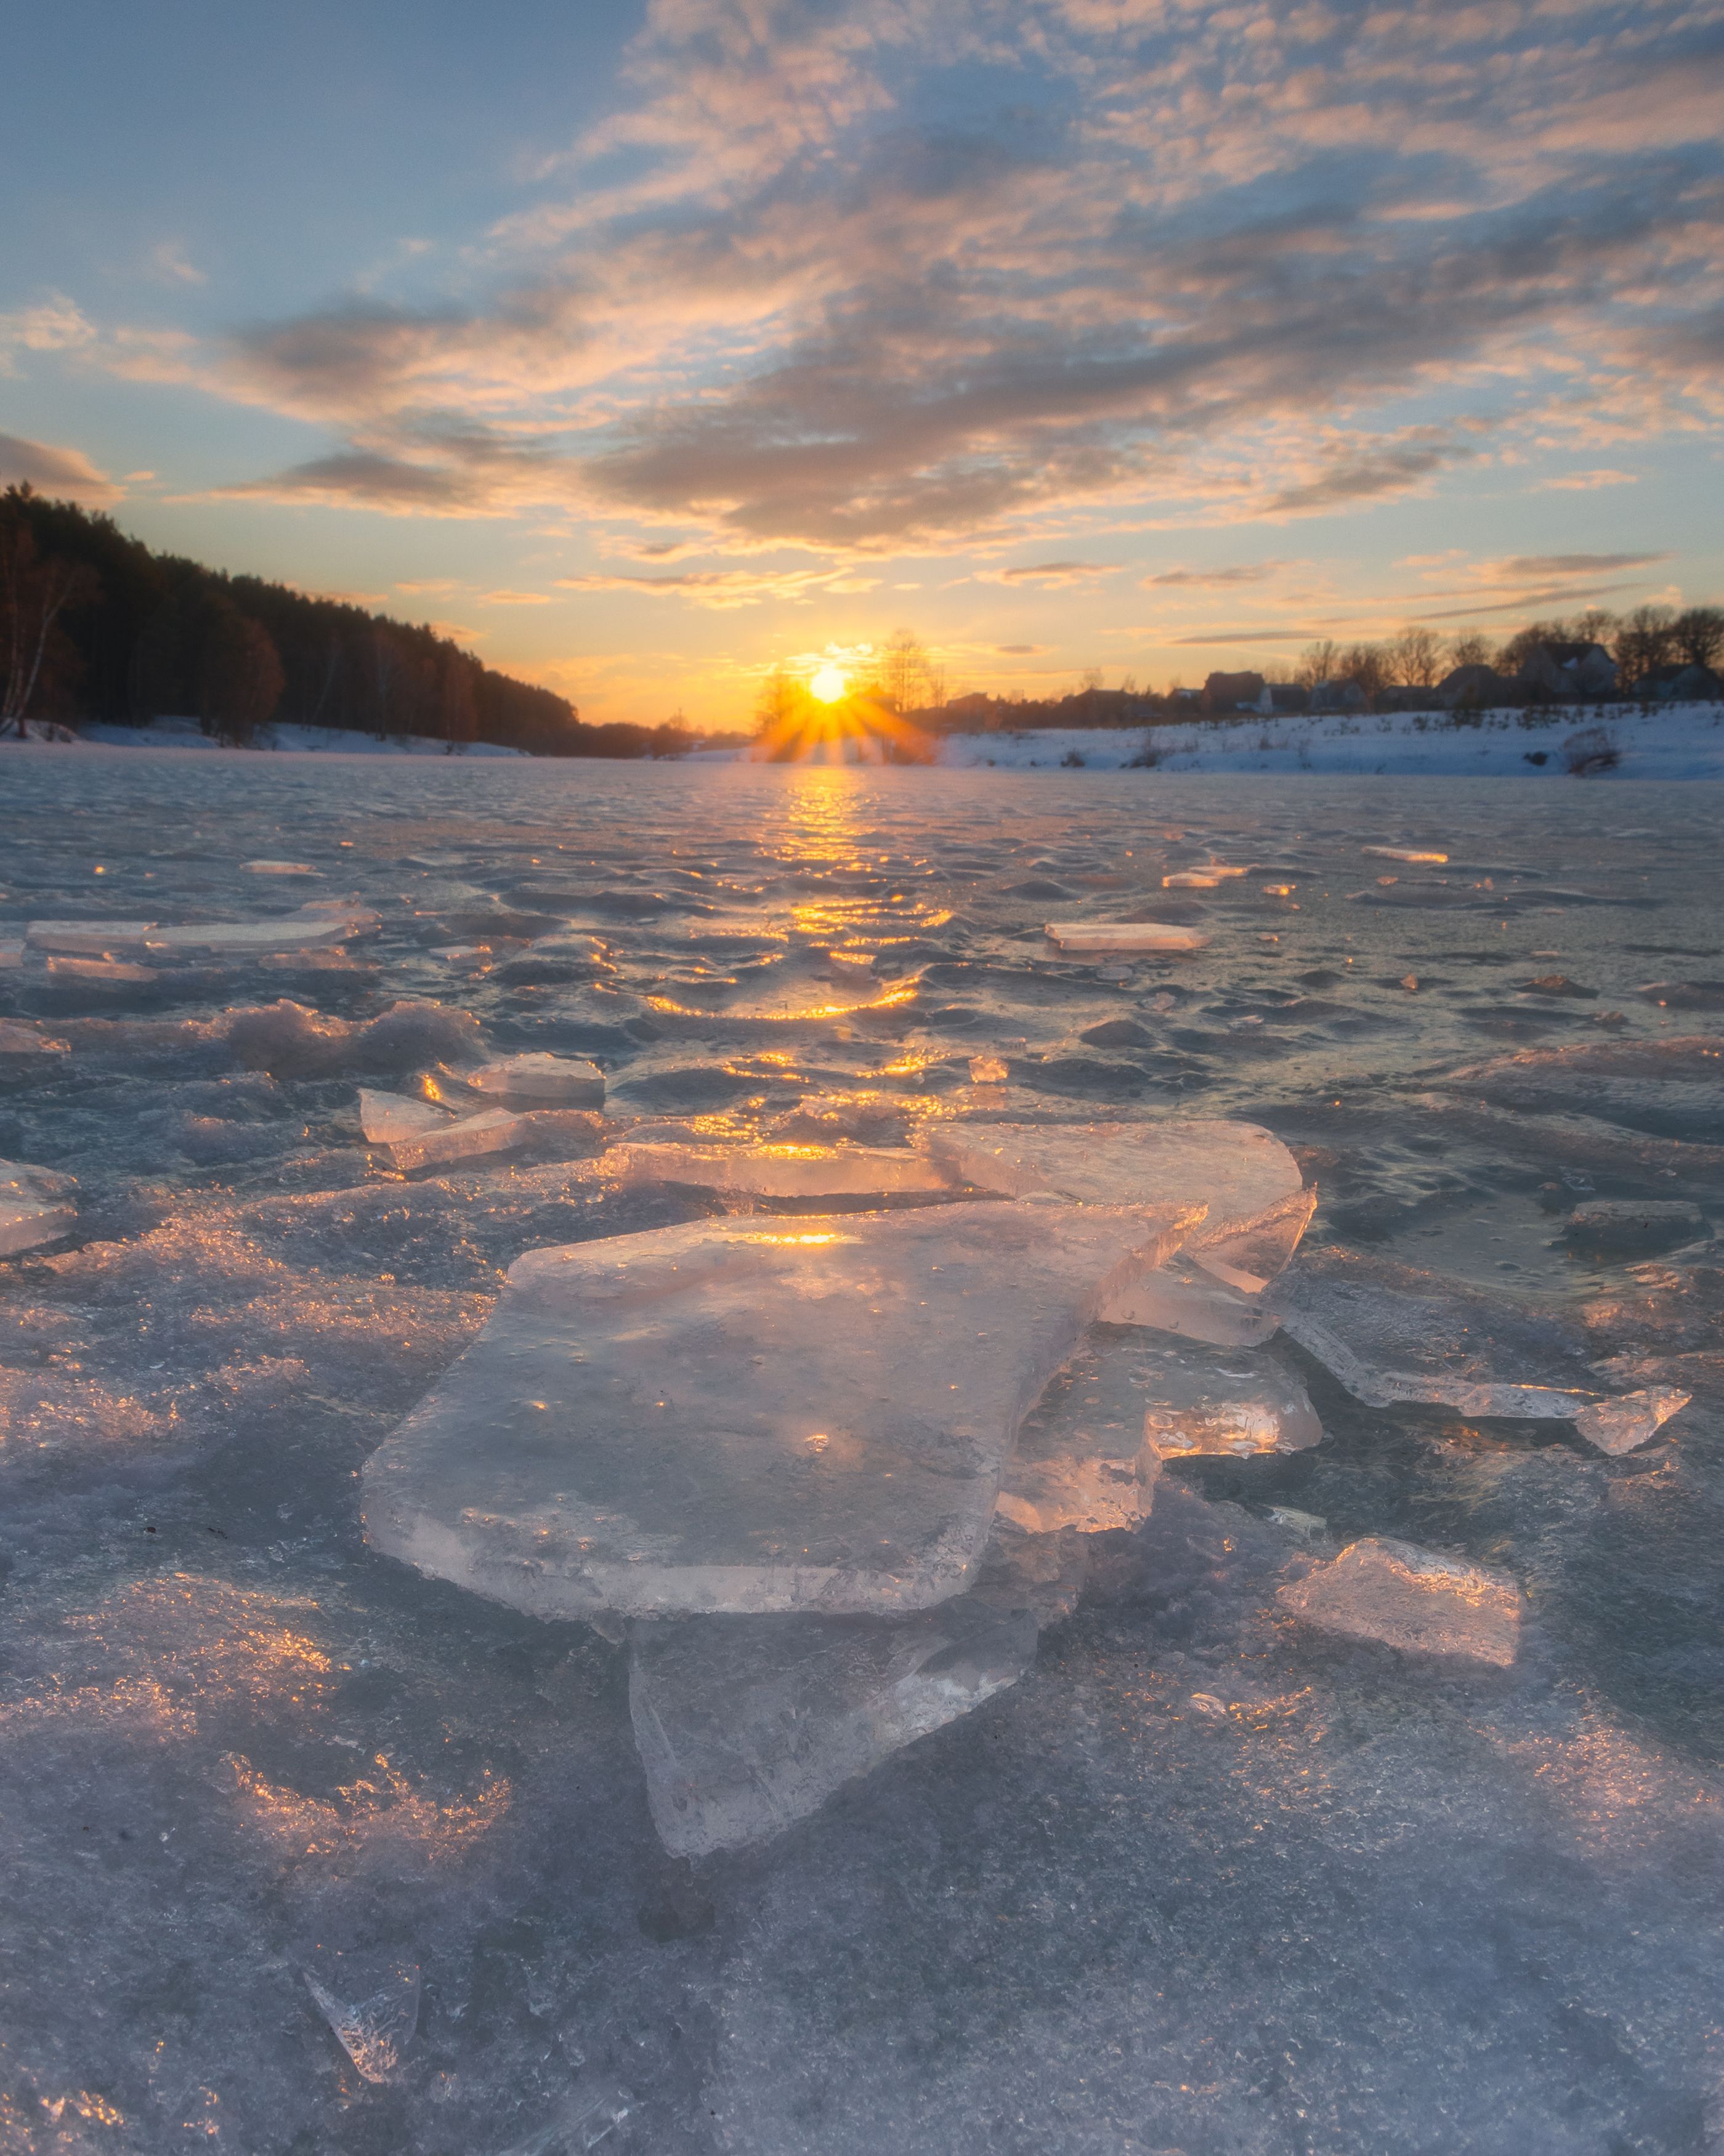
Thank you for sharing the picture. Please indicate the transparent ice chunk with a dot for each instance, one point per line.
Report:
(1391, 1334)
(279, 868)
(1414, 1599)
(1402, 853)
(387, 1118)
(1208, 1406)
(88, 939)
(1181, 1297)
(1257, 1204)
(540, 1080)
(21, 1039)
(323, 923)
(1123, 936)
(780, 1171)
(746, 1724)
(36, 1207)
(734, 1416)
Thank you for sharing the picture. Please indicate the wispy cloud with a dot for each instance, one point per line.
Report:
(1051, 575)
(54, 470)
(725, 588)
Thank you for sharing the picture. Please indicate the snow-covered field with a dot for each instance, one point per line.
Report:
(299, 741)
(1684, 741)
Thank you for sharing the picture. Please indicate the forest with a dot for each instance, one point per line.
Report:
(95, 625)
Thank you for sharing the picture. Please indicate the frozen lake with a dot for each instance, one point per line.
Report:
(1205, 1878)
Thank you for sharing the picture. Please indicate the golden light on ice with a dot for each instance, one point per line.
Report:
(828, 685)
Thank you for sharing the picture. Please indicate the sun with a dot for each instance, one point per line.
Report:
(828, 685)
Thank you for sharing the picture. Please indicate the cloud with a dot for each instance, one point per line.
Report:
(168, 264)
(1540, 569)
(725, 588)
(1246, 572)
(1051, 575)
(1583, 482)
(67, 473)
(515, 598)
(891, 273)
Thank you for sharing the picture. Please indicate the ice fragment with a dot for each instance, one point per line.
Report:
(734, 1416)
(780, 1171)
(1413, 1600)
(375, 2031)
(1203, 1406)
(540, 1080)
(1123, 936)
(36, 1207)
(1402, 853)
(988, 1071)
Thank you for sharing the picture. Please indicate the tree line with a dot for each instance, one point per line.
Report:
(1646, 644)
(95, 625)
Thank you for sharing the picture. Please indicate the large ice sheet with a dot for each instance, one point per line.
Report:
(1393, 1334)
(738, 1417)
(36, 1207)
(1417, 1600)
(781, 1171)
(745, 1724)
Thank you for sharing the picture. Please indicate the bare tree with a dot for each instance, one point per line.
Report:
(1366, 666)
(904, 678)
(1415, 657)
(34, 594)
(1470, 649)
(1318, 662)
(1698, 635)
(1645, 642)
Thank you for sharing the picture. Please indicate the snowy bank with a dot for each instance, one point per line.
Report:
(294, 740)
(1682, 740)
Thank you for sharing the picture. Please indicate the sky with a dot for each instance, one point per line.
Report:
(643, 348)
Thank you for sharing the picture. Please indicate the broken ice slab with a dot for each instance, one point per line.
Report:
(1414, 1599)
(279, 868)
(422, 1134)
(89, 939)
(1206, 1405)
(1402, 853)
(1114, 936)
(1629, 1228)
(988, 1071)
(540, 1080)
(1257, 1204)
(1394, 1335)
(734, 1416)
(324, 922)
(780, 1171)
(374, 2031)
(111, 972)
(387, 1118)
(1179, 1297)
(21, 1040)
(36, 1207)
(746, 1724)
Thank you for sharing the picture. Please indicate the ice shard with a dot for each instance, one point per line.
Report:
(539, 1081)
(1122, 936)
(1393, 1335)
(322, 923)
(738, 1416)
(36, 1207)
(1212, 1404)
(1182, 1297)
(780, 1171)
(1258, 1206)
(1413, 1599)
(89, 939)
(746, 1724)
(422, 1134)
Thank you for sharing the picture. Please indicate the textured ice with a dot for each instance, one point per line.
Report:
(740, 1417)
(36, 1207)
(324, 922)
(375, 2031)
(540, 1080)
(27, 1040)
(780, 1171)
(280, 868)
(1198, 1404)
(1623, 1227)
(1414, 1599)
(1124, 936)
(1402, 853)
(91, 939)
(746, 1724)
(1392, 1333)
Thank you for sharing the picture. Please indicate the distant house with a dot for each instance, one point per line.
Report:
(1681, 685)
(1472, 688)
(1338, 697)
(1235, 692)
(1287, 697)
(1569, 672)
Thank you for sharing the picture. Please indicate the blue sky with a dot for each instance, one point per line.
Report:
(645, 347)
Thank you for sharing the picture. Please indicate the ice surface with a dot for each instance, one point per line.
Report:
(36, 1207)
(988, 1071)
(1391, 1333)
(18, 1039)
(737, 1417)
(1402, 853)
(1124, 936)
(781, 1171)
(746, 1724)
(1623, 1227)
(1207, 1405)
(1414, 1599)
(280, 868)
(93, 939)
(540, 1080)
(114, 971)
